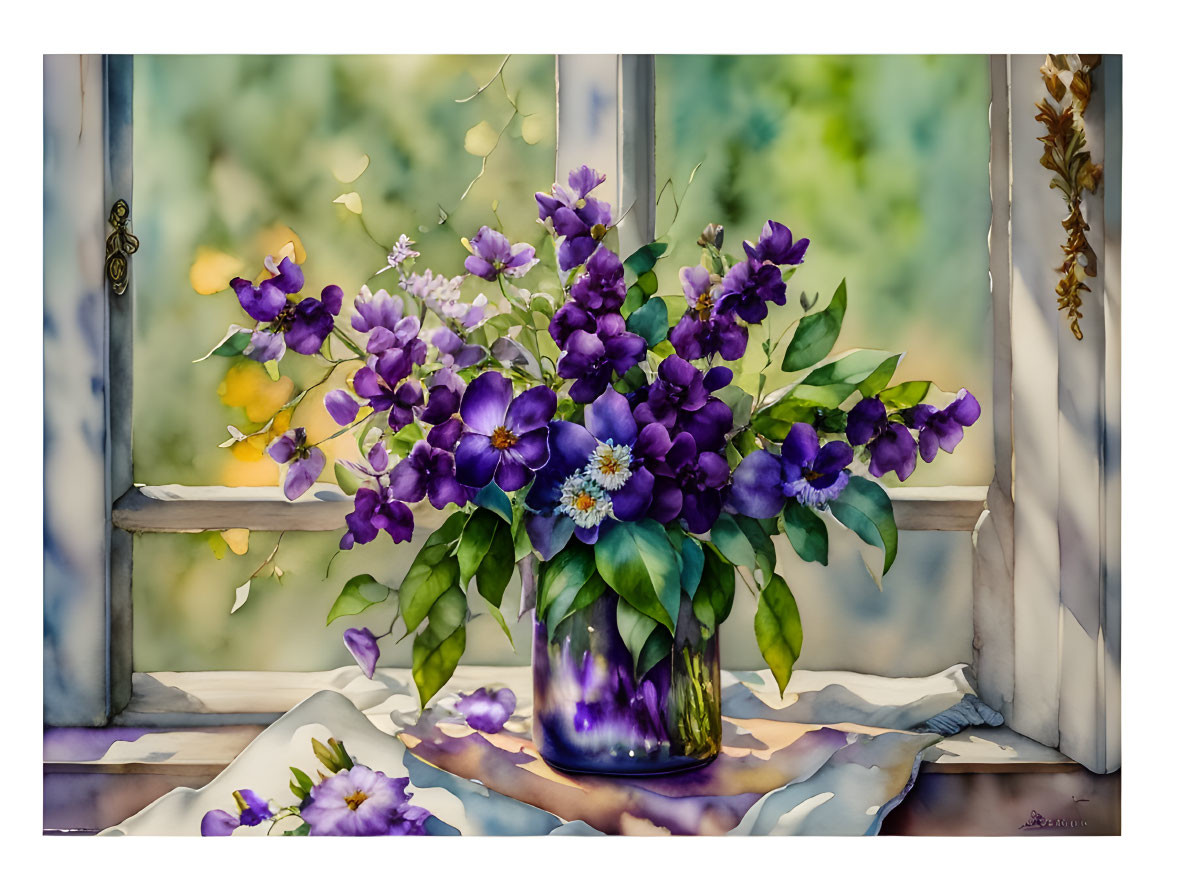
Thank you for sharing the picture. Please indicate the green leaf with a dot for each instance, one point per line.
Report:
(361, 592)
(762, 545)
(692, 560)
(495, 567)
(645, 258)
(271, 368)
(437, 649)
(434, 571)
(730, 539)
(474, 542)
(347, 479)
(303, 785)
(303, 829)
(650, 321)
(559, 581)
(633, 300)
(638, 562)
(816, 333)
(806, 531)
(496, 500)
(233, 343)
(647, 281)
(647, 641)
(907, 394)
(778, 629)
(716, 590)
(865, 509)
(858, 370)
(739, 401)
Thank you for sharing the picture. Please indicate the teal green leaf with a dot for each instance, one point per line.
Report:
(816, 333)
(647, 641)
(778, 629)
(716, 590)
(762, 545)
(880, 377)
(638, 562)
(645, 258)
(361, 592)
(806, 532)
(740, 403)
(232, 344)
(647, 281)
(347, 479)
(865, 509)
(907, 394)
(561, 578)
(433, 572)
(633, 300)
(650, 321)
(852, 369)
(496, 500)
(437, 649)
(730, 539)
(692, 559)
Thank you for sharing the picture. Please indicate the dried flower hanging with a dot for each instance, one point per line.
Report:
(1066, 155)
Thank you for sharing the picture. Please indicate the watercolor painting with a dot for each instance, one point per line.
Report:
(523, 445)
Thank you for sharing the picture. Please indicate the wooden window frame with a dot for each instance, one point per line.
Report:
(1046, 608)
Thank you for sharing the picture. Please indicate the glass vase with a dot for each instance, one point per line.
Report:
(593, 713)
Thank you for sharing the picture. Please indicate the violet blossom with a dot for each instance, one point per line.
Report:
(253, 810)
(805, 472)
(429, 471)
(702, 332)
(942, 428)
(748, 288)
(486, 709)
(379, 315)
(360, 801)
(492, 256)
(381, 382)
(363, 647)
(776, 245)
(305, 462)
(302, 326)
(376, 504)
(504, 438)
(590, 358)
(890, 444)
(573, 213)
(601, 287)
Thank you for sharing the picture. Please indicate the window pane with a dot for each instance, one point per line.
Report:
(237, 155)
(882, 162)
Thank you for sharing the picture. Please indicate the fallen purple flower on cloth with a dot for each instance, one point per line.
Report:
(487, 710)
(360, 801)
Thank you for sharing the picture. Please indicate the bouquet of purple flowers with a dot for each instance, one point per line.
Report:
(590, 431)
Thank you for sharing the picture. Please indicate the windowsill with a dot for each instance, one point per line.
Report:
(177, 508)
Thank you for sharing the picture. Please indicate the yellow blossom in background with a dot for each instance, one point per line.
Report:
(247, 384)
(212, 270)
(237, 540)
(275, 238)
(252, 449)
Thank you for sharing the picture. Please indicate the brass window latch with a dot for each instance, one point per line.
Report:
(121, 244)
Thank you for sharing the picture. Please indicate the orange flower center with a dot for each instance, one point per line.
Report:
(584, 502)
(502, 438)
(356, 799)
(703, 306)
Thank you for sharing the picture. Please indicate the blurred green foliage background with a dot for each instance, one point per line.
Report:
(881, 161)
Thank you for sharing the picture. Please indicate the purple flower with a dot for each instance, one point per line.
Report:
(376, 504)
(590, 358)
(601, 288)
(804, 472)
(379, 315)
(573, 213)
(597, 469)
(402, 251)
(453, 353)
(253, 809)
(445, 436)
(363, 647)
(567, 320)
(492, 255)
(678, 386)
(265, 345)
(428, 470)
(690, 485)
(305, 463)
(777, 246)
(942, 428)
(504, 439)
(360, 801)
(265, 302)
(487, 710)
(890, 444)
(381, 383)
(431, 287)
(342, 407)
(312, 320)
(748, 288)
(701, 332)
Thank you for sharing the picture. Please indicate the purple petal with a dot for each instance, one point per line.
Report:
(378, 458)
(363, 647)
(332, 298)
(568, 223)
(263, 303)
(312, 324)
(491, 246)
(834, 456)
(654, 441)
(549, 533)
(574, 251)
(380, 340)
(864, 420)
(531, 410)
(609, 417)
(366, 383)
(476, 460)
(588, 387)
(303, 472)
(478, 266)
(446, 340)
(801, 445)
(927, 444)
(964, 409)
(218, 824)
(714, 468)
(625, 350)
(446, 490)
(511, 475)
(531, 449)
(632, 500)
(442, 404)
(446, 435)
(583, 350)
(257, 810)
(283, 448)
(893, 450)
(342, 407)
(485, 404)
(584, 179)
(265, 346)
(667, 500)
(289, 278)
(696, 281)
(756, 486)
(717, 378)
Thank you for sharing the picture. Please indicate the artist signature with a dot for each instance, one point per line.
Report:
(1038, 820)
